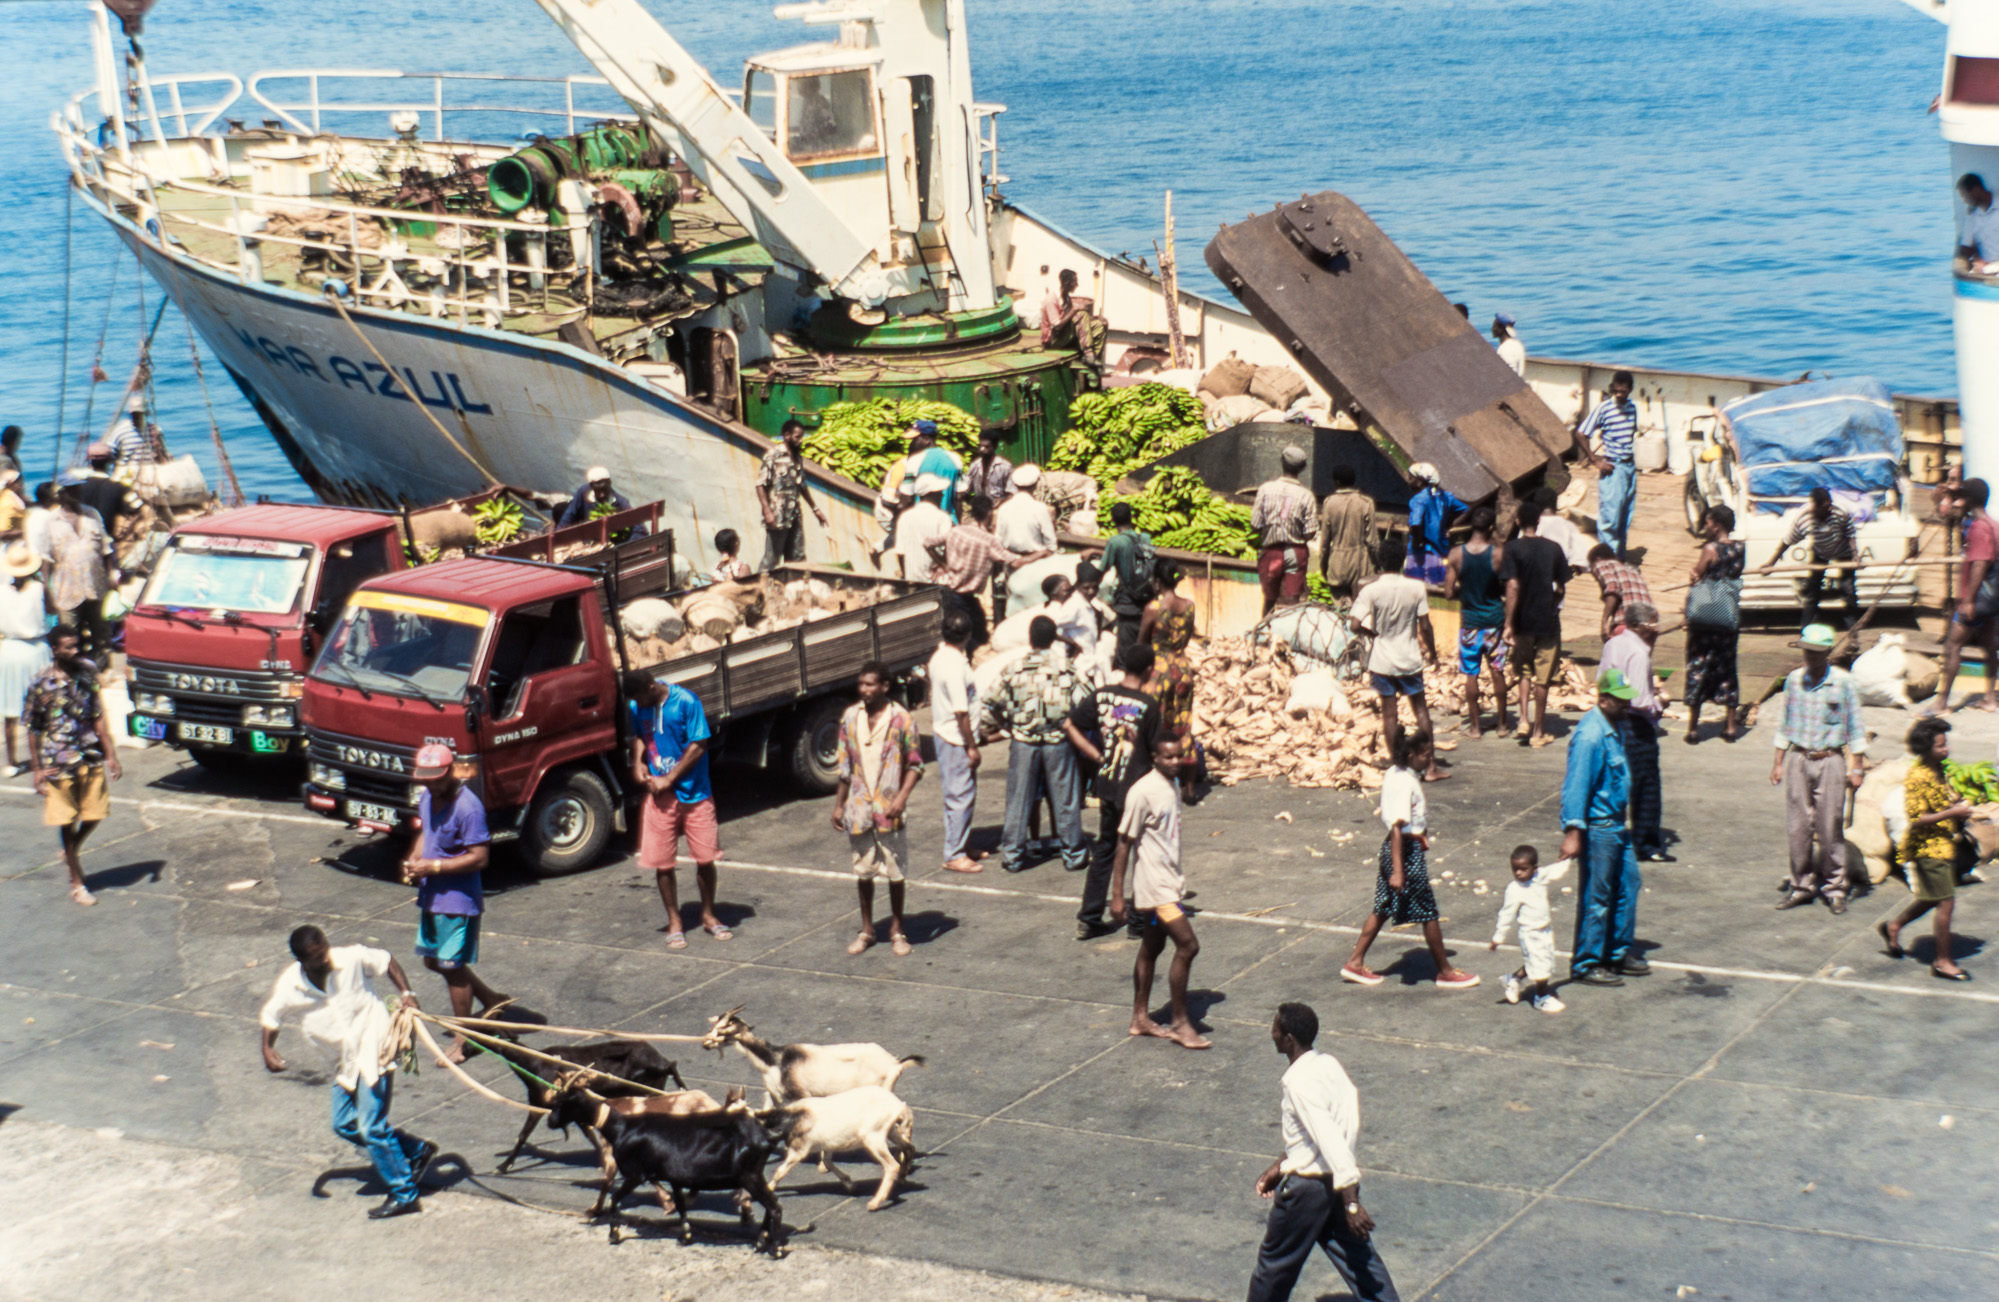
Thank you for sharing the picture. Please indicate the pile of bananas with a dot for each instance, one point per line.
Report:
(1118, 430)
(860, 439)
(498, 521)
(1179, 510)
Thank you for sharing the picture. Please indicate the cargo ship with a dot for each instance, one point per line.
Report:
(418, 306)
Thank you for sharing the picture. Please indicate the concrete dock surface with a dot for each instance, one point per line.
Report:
(1780, 1111)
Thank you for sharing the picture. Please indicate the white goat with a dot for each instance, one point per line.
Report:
(869, 1118)
(800, 1071)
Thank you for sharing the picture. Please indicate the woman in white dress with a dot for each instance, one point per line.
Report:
(24, 637)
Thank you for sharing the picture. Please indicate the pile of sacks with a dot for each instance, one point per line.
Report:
(1262, 711)
(1233, 392)
(658, 629)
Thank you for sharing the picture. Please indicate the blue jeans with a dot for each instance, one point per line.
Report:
(1031, 768)
(361, 1116)
(1607, 898)
(1616, 494)
(961, 793)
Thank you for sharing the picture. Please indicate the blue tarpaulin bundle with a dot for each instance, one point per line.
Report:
(1839, 434)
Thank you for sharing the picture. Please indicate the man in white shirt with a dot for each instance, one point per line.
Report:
(1316, 1183)
(1511, 350)
(954, 703)
(333, 991)
(1024, 526)
(1395, 610)
(1978, 237)
(920, 526)
(1148, 841)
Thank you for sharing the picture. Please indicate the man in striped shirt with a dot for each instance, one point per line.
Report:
(1613, 423)
(1831, 531)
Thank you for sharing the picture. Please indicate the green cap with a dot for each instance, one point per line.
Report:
(1818, 636)
(1613, 683)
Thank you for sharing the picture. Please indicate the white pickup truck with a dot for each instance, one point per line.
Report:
(1762, 455)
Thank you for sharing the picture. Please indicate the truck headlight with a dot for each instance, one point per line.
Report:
(253, 716)
(279, 716)
(326, 776)
(154, 703)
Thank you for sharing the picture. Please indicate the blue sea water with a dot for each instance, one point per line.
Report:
(1748, 186)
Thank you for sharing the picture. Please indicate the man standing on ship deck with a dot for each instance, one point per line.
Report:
(1284, 513)
(1978, 234)
(1614, 424)
(781, 487)
(1346, 534)
(1511, 350)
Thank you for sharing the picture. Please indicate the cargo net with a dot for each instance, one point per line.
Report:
(1319, 636)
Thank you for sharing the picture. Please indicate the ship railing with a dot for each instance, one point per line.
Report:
(319, 101)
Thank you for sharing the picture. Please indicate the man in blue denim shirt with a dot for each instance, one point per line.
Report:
(1595, 793)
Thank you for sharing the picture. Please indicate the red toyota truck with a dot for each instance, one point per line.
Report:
(515, 661)
(235, 610)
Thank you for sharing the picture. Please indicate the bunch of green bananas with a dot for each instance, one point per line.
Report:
(498, 521)
(1179, 510)
(860, 439)
(1977, 783)
(1117, 430)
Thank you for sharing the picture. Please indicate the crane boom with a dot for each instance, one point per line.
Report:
(727, 151)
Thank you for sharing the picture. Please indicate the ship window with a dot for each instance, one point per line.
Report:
(830, 113)
(1974, 81)
(760, 100)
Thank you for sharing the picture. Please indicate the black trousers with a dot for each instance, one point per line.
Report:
(1844, 584)
(783, 545)
(1097, 883)
(1305, 1215)
(1127, 626)
(1648, 802)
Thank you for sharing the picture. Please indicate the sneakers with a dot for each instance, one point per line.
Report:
(1598, 976)
(1462, 981)
(1633, 966)
(1548, 1004)
(1360, 978)
(390, 1208)
(1511, 986)
(426, 1153)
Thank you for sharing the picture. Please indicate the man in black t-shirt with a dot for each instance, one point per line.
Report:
(1126, 722)
(1535, 572)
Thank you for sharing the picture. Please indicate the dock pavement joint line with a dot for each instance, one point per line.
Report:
(177, 807)
(1340, 929)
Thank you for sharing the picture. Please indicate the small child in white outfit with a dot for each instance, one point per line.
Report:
(1526, 906)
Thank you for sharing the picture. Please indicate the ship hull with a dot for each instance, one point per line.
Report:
(536, 414)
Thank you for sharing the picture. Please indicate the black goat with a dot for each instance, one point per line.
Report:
(632, 1060)
(688, 1154)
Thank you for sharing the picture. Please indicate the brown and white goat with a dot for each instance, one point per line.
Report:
(870, 1119)
(802, 1071)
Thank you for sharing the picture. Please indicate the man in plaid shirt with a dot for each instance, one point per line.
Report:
(1030, 704)
(1620, 582)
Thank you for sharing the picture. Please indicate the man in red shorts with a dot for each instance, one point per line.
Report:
(670, 763)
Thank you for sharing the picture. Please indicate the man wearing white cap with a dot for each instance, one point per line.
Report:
(445, 863)
(1023, 524)
(1430, 512)
(595, 494)
(134, 444)
(919, 531)
(1511, 350)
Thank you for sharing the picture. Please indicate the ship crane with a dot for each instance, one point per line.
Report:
(854, 162)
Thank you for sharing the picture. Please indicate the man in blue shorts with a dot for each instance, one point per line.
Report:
(1474, 582)
(1395, 611)
(444, 863)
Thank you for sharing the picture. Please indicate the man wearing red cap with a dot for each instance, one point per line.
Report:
(445, 862)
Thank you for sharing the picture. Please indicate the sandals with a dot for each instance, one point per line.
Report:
(1941, 975)
(899, 945)
(719, 931)
(676, 940)
(82, 895)
(862, 943)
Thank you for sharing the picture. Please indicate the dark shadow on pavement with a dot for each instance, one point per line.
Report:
(124, 875)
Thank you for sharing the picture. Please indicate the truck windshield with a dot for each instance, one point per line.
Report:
(209, 572)
(409, 646)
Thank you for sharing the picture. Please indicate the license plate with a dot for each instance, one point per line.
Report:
(207, 732)
(361, 812)
(150, 729)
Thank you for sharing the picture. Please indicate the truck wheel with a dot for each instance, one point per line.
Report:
(1696, 508)
(814, 750)
(568, 823)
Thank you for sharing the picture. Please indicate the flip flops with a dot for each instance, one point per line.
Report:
(676, 940)
(719, 931)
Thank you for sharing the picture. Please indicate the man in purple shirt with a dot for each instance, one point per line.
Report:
(1630, 651)
(444, 864)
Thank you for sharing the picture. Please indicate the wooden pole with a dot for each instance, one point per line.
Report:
(1170, 281)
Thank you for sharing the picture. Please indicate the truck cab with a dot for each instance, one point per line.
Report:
(507, 661)
(225, 628)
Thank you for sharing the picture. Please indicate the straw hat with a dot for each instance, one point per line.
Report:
(18, 560)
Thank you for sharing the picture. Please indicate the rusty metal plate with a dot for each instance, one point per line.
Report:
(1362, 320)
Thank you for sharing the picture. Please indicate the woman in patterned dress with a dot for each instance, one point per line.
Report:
(1711, 645)
(1167, 625)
